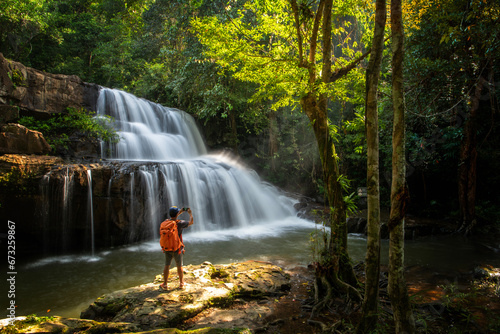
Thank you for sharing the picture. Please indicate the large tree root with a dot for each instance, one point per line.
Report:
(332, 285)
(467, 226)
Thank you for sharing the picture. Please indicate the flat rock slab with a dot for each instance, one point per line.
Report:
(31, 324)
(217, 295)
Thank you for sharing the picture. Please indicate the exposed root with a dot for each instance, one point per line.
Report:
(466, 228)
(325, 328)
(319, 324)
(327, 285)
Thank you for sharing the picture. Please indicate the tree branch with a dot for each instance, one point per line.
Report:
(341, 72)
(295, 10)
(314, 35)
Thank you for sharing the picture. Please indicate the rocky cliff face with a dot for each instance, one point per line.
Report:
(58, 204)
(34, 92)
(25, 91)
(34, 188)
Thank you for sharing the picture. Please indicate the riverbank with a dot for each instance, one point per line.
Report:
(259, 297)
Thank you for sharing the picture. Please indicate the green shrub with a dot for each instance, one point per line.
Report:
(58, 129)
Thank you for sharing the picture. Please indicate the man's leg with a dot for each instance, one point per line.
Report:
(180, 272)
(166, 270)
(178, 261)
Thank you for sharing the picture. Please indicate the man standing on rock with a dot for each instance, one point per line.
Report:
(171, 243)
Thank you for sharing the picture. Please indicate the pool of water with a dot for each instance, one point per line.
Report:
(65, 285)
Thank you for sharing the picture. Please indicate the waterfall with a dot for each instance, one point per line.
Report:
(175, 169)
(160, 161)
(66, 206)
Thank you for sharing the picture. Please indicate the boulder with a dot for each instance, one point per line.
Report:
(210, 293)
(226, 298)
(17, 139)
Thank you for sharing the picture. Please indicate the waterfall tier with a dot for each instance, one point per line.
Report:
(148, 131)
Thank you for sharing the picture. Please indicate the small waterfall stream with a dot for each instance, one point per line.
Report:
(90, 212)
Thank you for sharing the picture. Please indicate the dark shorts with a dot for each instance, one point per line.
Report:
(173, 255)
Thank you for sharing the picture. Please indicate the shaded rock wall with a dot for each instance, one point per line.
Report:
(53, 202)
(29, 180)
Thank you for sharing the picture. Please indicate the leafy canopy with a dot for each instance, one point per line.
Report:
(258, 43)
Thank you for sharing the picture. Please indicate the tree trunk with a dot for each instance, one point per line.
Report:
(273, 139)
(334, 273)
(398, 293)
(372, 262)
(467, 170)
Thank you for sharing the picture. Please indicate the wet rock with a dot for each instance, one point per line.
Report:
(480, 273)
(28, 164)
(487, 273)
(208, 294)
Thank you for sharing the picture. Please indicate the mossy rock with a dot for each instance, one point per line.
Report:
(206, 287)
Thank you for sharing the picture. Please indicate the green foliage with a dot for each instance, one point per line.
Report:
(20, 22)
(460, 303)
(318, 243)
(58, 129)
(351, 199)
(223, 61)
(440, 92)
(17, 78)
(257, 43)
(19, 182)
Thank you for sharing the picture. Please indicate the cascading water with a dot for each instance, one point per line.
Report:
(148, 131)
(90, 212)
(173, 169)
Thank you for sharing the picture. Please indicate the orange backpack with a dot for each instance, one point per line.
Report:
(169, 236)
